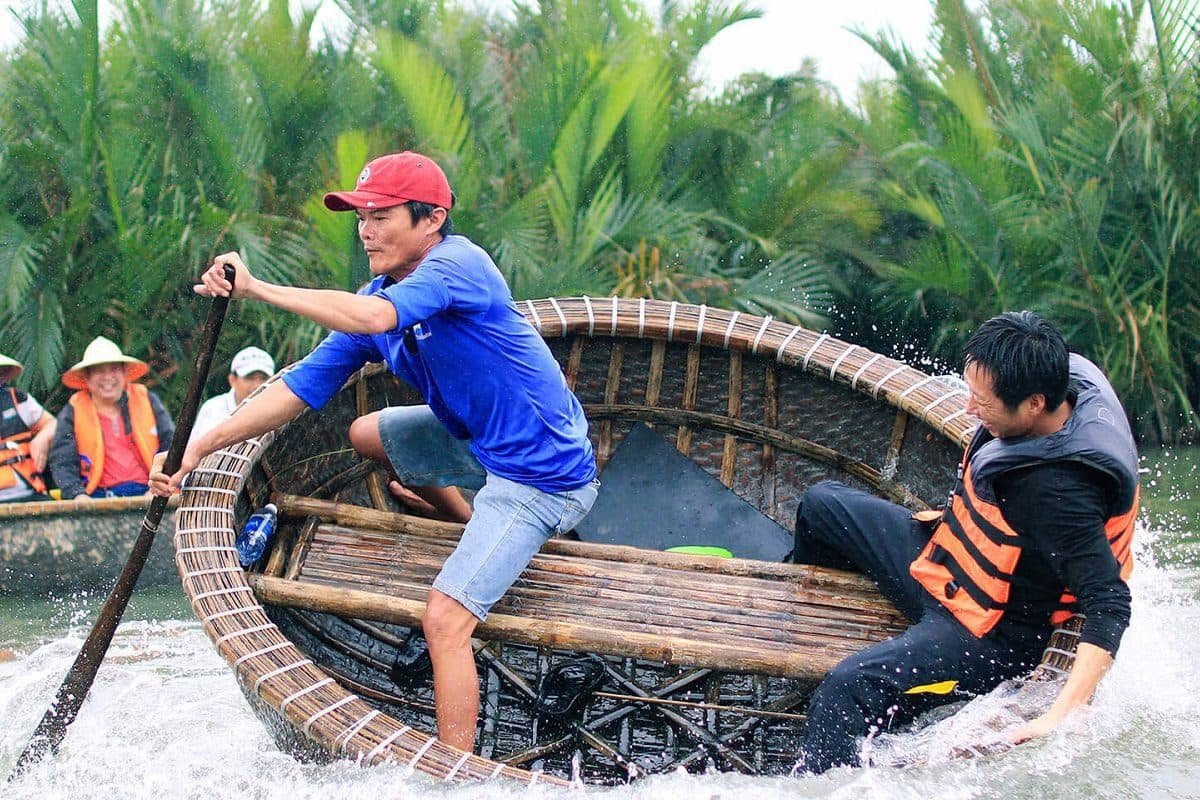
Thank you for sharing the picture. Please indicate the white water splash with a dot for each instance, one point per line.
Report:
(165, 720)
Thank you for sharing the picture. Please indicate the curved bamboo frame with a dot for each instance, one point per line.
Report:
(276, 675)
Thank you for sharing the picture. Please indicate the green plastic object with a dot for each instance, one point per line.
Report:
(700, 550)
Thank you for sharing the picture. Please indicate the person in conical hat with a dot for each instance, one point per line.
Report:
(110, 429)
(26, 432)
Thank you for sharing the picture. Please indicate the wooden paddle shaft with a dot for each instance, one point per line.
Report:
(62, 712)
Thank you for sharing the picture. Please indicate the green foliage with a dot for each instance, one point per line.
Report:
(1052, 166)
(1043, 156)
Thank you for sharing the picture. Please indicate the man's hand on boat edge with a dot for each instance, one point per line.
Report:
(165, 485)
(1091, 664)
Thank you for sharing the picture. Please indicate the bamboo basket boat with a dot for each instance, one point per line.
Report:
(57, 547)
(708, 662)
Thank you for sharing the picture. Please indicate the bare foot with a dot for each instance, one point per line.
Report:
(414, 502)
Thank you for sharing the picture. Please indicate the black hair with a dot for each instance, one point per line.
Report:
(420, 211)
(1024, 354)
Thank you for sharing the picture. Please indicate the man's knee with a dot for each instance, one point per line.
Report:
(364, 436)
(447, 622)
(818, 527)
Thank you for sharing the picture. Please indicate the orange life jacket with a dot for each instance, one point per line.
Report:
(89, 439)
(969, 562)
(15, 459)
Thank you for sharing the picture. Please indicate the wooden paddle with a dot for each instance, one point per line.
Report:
(62, 712)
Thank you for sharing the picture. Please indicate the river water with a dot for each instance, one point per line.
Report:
(165, 719)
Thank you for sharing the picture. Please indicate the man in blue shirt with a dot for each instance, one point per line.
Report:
(498, 416)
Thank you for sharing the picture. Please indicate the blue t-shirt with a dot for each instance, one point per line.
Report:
(482, 368)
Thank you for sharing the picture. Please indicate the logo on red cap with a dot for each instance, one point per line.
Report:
(394, 179)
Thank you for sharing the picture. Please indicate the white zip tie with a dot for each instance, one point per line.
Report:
(243, 632)
(613, 331)
(641, 317)
(457, 766)
(215, 490)
(231, 612)
(280, 670)
(886, 378)
(537, 321)
(935, 403)
(671, 321)
(214, 471)
(496, 772)
(808, 356)
(700, 323)
(391, 737)
(783, 346)
(421, 753)
(587, 304)
(729, 330)
(307, 690)
(862, 369)
(233, 454)
(761, 331)
(261, 652)
(353, 729)
(962, 412)
(220, 592)
(916, 386)
(562, 319)
(838, 363)
(189, 576)
(329, 709)
(207, 549)
(1059, 651)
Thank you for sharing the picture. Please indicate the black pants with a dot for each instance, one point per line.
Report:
(935, 661)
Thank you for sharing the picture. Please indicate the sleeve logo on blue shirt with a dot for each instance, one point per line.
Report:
(412, 333)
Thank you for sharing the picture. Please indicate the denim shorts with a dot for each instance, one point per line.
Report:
(510, 523)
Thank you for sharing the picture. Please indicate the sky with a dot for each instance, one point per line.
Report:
(788, 32)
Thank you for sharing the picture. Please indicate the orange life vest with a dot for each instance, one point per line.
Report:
(969, 562)
(89, 439)
(16, 462)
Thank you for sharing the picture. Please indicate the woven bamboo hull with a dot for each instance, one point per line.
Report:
(58, 547)
(709, 661)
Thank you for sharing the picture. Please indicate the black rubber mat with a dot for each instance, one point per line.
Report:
(653, 496)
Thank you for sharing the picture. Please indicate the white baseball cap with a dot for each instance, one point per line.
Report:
(251, 360)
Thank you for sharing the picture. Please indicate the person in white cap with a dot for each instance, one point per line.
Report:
(26, 431)
(250, 368)
(110, 429)
(498, 414)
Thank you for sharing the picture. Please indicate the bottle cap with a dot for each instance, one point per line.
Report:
(271, 507)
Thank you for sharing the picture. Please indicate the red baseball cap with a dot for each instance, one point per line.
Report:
(395, 179)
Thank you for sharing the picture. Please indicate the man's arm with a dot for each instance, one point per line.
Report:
(330, 308)
(64, 455)
(1091, 664)
(1063, 507)
(266, 411)
(43, 437)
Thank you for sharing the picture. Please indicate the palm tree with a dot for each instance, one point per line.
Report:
(1053, 168)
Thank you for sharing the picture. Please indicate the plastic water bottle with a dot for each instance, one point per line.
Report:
(256, 535)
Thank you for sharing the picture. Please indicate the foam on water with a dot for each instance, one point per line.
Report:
(165, 720)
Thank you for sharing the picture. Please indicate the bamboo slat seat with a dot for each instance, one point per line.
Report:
(727, 614)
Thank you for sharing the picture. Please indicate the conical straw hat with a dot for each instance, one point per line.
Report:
(103, 351)
(9, 368)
